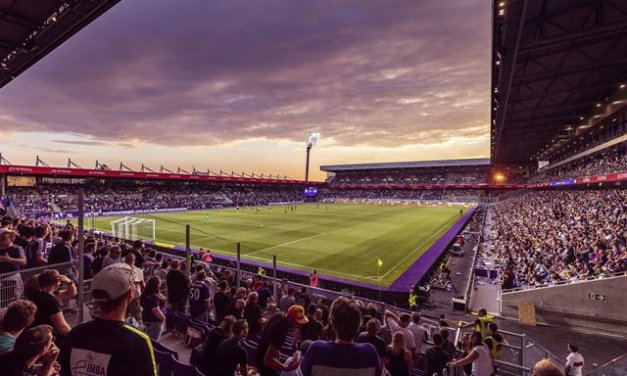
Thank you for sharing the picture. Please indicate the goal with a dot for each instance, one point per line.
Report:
(133, 228)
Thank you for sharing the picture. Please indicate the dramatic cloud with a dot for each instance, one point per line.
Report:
(366, 73)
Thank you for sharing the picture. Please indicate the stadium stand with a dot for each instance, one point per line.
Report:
(62, 199)
(546, 237)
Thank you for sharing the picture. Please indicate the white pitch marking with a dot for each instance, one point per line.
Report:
(287, 243)
(446, 225)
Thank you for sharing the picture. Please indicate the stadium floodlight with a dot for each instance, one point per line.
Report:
(312, 139)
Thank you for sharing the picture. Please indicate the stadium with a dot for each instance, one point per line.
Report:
(513, 264)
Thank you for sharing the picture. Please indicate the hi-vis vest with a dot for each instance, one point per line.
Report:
(412, 299)
(496, 348)
(482, 326)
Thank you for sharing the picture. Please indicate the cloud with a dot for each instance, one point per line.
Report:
(5, 136)
(78, 142)
(361, 72)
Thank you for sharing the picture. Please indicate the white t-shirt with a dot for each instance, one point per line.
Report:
(407, 334)
(575, 362)
(419, 336)
(139, 278)
(482, 366)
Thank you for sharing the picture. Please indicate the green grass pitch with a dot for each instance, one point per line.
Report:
(336, 239)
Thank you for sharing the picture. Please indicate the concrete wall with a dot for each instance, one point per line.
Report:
(598, 305)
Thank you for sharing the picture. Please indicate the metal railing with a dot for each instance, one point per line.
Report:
(567, 282)
(12, 284)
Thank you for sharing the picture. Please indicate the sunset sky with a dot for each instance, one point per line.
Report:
(238, 85)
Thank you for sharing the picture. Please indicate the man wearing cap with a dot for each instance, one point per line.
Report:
(273, 338)
(106, 345)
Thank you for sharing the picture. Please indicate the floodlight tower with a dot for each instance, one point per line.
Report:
(312, 139)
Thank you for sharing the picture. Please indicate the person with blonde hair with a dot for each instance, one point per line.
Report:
(546, 367)
(399, 358)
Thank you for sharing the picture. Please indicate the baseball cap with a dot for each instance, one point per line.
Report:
(296, 313)
(112, 282)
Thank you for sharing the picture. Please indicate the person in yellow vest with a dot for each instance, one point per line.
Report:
(261, 272)
(494, 341)
(481, 323)
(413, 298)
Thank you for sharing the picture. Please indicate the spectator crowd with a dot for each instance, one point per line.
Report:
(137, 294)
(543, 237)
(64, 198)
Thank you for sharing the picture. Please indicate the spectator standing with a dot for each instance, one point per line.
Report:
(88, 260)
(162, 270)
(236, 308)
(134, 307)
(153, 304)
(419, 333)
(435, 357)
(11, 259)
(231, 353)
(62, 252)
(34, 345)
(273, 338)
(41, 232)
(574, 361)
(199, 297)
(400, 324)
(479, 357)
(370, 336)
(399, 358)
(138, 250)
(120, 349)
(32, 249)
(18, 315)
(221, 300)
(342, 356)
(114, 256)
(178, 287)
(214, 339)
(265, 295)
(287, 300)
(313, 279)
(482, 322)
(448, 346)
(96, 265)
(494, 342)
(312, 330)
(48, 300)
(6, 224)
(443, 323)
(253, 313)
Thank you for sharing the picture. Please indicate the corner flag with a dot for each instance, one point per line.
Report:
(379, 262)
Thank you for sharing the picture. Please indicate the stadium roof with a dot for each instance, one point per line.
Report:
(556, 66)
(398, 165)
(30, 29)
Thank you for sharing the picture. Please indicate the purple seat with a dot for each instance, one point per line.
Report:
(182, 369)
(163, 348)
(164, 361)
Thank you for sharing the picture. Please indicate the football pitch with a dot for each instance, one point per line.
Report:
(339, 240)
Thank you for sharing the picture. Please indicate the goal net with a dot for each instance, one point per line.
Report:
(133, 228)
